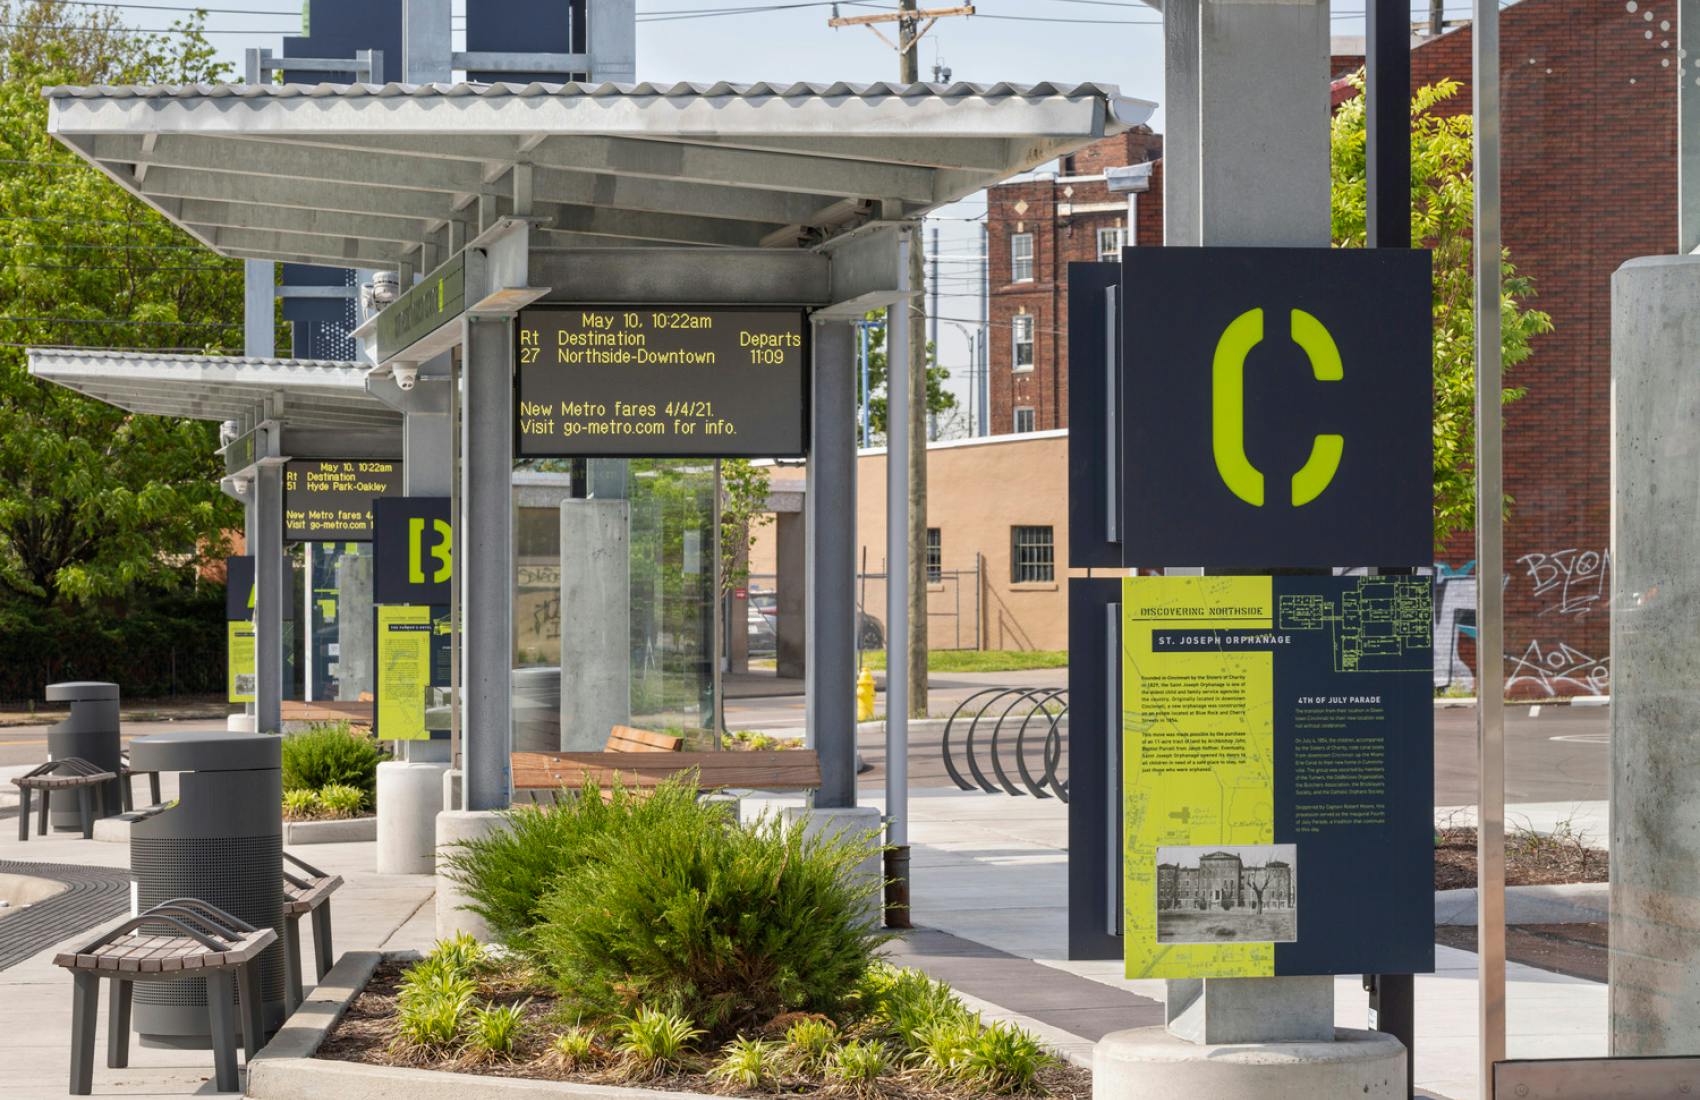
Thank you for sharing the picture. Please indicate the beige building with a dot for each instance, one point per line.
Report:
(997, 519)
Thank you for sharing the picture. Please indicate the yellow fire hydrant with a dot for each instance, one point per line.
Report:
(865, 696)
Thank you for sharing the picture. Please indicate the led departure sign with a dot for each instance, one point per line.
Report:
(332, 500)
(645, 382)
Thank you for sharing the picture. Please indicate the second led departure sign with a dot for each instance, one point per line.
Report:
(673, 382)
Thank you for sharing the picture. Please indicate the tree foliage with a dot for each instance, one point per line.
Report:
(939, 399)
(97, 502)
(1442, 196)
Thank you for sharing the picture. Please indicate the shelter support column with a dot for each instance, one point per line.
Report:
(829, 531)
(486, 558)
(1655, 713)
(897, 459)
(270, 592)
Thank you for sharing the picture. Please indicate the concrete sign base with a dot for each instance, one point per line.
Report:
(1148, 1063)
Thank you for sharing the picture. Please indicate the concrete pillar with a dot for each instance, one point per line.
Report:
(1655, 737)
(354, 627)
(426, 43)
(1148, 1064)
(596, 632)
(791, 595)
(485, 559)
(270, 592)
(611, 40)
(259, 310)
(848, 824)
(410, 796)
(829, 528)
(455, 827)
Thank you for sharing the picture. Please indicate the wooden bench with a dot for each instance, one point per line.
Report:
(537, 773)
(307, 894)
(65, 774)
(179, 939)
(126, 787)
(632, 739)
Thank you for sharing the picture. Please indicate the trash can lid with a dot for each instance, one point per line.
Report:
(206, 752)
(77, 691)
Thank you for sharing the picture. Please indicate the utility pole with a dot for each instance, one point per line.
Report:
(1436, 17)
(908, 60)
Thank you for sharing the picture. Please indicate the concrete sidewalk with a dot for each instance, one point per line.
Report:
(391, 912)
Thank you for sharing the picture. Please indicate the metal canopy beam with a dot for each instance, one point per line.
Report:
(332, 251)
(182, 183)
(704, 276)
(322, 223)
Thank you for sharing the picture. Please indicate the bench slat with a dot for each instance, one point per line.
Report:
(632, 739)
(774, 769)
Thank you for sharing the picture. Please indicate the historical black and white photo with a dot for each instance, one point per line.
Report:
(1244, 893)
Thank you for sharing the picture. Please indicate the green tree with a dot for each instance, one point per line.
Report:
(743, 511)
(1442, 195)
(97, 502)
(939, 399)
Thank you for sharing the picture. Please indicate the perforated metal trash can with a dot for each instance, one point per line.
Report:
(223, 843)
(90, 733)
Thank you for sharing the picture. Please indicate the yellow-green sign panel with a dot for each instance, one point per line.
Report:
(1278, 756)
(404, 671)
(243, 670)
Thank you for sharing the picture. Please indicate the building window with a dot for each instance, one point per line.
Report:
(1110, 244)
(1021, 328)
(1032, 555)
(935, 557)
(1024, 419)
(1021, 258)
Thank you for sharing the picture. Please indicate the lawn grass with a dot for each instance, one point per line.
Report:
(979, 660)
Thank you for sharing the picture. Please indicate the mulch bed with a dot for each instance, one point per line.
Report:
(1529, 860)
(1579, 950)
(367, 1034)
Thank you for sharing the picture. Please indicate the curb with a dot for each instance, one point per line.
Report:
(330, 832)
(1561, 903)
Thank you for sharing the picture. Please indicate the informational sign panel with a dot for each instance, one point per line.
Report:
(240, 664)
(412, 656)
(413, 550)
(423, 308)
(330, 500)
(1277, 407)
(1278, 773)
(699, 383)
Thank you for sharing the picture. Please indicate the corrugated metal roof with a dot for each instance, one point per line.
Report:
(718, 90)
(315, 394)
(360, 175)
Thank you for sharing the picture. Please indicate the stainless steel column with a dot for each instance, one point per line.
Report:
(829, 531)
(897, 552)
(270, 591)
(486, 560)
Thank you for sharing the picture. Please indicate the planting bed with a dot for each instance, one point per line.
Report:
(368, 1033)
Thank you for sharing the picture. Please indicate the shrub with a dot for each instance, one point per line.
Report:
(301, 803)
(507, 873)
(811, 1042)
(943, 1049)
(496, 1029)
(340, 801)
(430, 980)
(575, 1047)
(461, 953)
(906, 1002)
(746, 1063)
(1005, 1058)
(433, 1021)
(654, 1042)
(731, 926)
(329, 754)
(858, 1064)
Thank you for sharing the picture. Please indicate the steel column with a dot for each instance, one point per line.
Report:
(270, 592)
(1387, 149)
(1688, 125)
(897, 460)
(829, 531)
(1490, 550)
(486, 560)
(258, 309)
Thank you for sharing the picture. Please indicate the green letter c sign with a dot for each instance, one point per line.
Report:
(1227, 422)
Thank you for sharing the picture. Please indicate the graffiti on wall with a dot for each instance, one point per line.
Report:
(1567, 584)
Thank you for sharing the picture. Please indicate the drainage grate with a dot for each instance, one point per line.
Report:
(96, 895)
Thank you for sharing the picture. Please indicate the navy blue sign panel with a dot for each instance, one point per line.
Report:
(526, 26)
(238, 587)
(1277, 407)
(1094, 450)
(413, 550)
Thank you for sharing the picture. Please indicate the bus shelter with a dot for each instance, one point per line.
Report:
(492, 200)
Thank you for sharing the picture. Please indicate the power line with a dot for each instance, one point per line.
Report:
(118, 321)
(180, 7)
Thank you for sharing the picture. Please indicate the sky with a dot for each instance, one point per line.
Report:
(1115, 42)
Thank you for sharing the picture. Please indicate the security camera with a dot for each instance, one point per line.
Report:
(241, 485)
(406, 377)
(227, 432)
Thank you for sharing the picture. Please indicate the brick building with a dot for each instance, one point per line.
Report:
(1589, 181)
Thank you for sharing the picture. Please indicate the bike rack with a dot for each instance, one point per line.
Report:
(1052, 703)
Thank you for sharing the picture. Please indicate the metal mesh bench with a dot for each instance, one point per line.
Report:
(179, 939)
(66, 774)
(306, 894)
